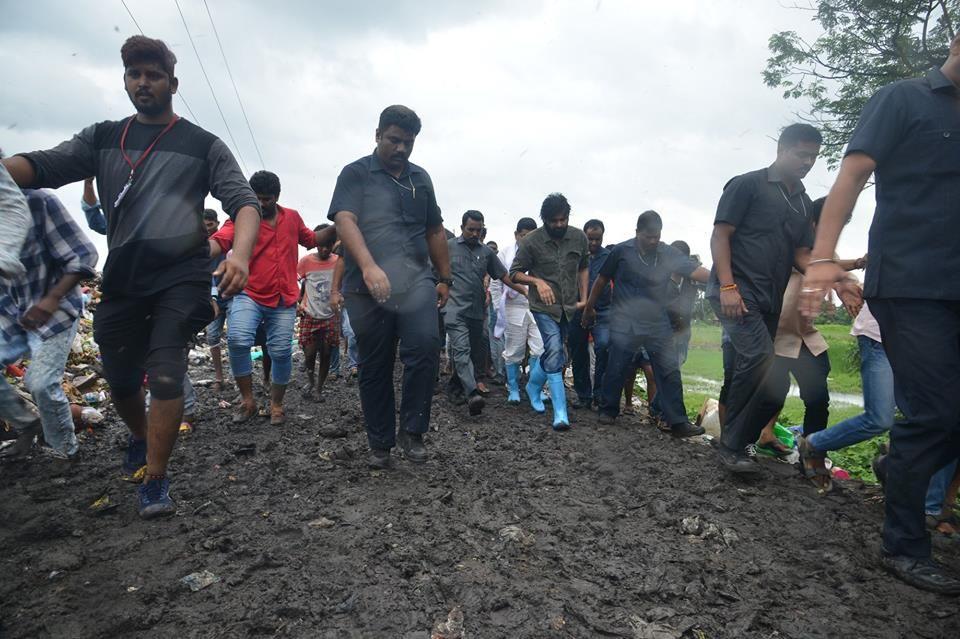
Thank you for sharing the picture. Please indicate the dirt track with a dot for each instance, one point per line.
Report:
(309, 543)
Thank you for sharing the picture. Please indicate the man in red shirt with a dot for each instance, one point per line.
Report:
(270, 296)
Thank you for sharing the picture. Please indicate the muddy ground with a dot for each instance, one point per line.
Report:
(529, 533)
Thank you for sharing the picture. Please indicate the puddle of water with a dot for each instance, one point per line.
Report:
(706, 385)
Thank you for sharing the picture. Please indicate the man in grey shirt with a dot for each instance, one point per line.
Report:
(153, 171)
(463, 316)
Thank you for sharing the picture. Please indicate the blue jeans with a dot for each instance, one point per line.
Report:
(348, 334)
(554, 336)
(244, 318)
(878, 402)
(43, 379)
(879, 405)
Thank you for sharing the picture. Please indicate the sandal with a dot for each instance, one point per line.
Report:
(629, 410)
(818, 475)
(277, 417)
(947, 524)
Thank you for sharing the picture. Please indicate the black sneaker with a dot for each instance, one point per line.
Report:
(580, 403)
(379, 458)
(736, 462)
(879, 465)
(925, 574)
(475, 404)
(686, 429)
(411, 444)
(606, 420)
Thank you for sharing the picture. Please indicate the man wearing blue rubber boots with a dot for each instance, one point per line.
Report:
(553, 261)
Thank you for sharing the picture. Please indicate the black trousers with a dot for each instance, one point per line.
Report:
(750, 400)
(811, 373)
(666, 370)
(410, 320)
(922, 341)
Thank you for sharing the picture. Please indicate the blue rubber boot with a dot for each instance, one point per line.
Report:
(559, 396)
(534, 384)
(513, 384)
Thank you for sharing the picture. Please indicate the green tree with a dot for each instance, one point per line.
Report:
(865, 45)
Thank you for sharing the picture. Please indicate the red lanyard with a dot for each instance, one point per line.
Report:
(123, 140)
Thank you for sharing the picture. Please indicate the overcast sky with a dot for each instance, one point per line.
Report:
(620, 105)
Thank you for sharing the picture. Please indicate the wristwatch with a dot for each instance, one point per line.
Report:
(445, 280)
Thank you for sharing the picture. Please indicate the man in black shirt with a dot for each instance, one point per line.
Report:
(153, 171)
(908, 137)
(761, 231)
(640, 269)
(388, 220)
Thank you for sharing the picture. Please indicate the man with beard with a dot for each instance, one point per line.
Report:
(270, 296)
(153, 171)
(761, 231)
(553, 261)
(387, 217)
(463, 316)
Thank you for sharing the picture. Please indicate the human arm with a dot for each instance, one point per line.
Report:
(700, 274)
(519, 272)
(440, 258)
(325, 236)
(583, 282)
(731, 303)
(823, 271)
(234, 271)
(589, 310)
(336, 297)
(70, 161)
(374, 278)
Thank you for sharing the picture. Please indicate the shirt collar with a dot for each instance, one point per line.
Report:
(939, 82)
(774, 176)
(374, 165)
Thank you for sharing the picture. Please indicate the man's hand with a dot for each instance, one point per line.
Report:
(443, 294)
(233, 273)
(589, 317)
(545, 293)
(40, 313)
(731, 304)
(819, 279)
(851, 295)
(216, 307)
(336, 300)
(377, 283)
(486, 302)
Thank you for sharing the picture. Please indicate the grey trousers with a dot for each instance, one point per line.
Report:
(466, 340)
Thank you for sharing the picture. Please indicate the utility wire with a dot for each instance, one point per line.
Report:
(212, 92)
(179, 93)
(237, 92)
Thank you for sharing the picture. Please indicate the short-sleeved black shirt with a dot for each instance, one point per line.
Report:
(468, 265)
(771, 224)
(640, 286)
(683, 297)
(393, 215)
(911, 129)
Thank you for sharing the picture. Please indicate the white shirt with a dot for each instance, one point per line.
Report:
(865, 324)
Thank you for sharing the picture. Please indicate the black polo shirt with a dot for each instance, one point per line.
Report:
(468, 265)
(640, 286)
(393, 216)
(771, 224)
(911, 129)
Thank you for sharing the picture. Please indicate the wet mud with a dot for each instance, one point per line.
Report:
(603, 531)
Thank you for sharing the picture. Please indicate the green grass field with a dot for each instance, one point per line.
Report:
(703, 374)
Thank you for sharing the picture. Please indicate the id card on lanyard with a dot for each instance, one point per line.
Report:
(143, 156)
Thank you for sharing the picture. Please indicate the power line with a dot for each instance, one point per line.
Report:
(179, 93)
(229, 73)
(212, 92)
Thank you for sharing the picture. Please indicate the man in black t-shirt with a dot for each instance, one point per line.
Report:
(388, 220)
(153, 171)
